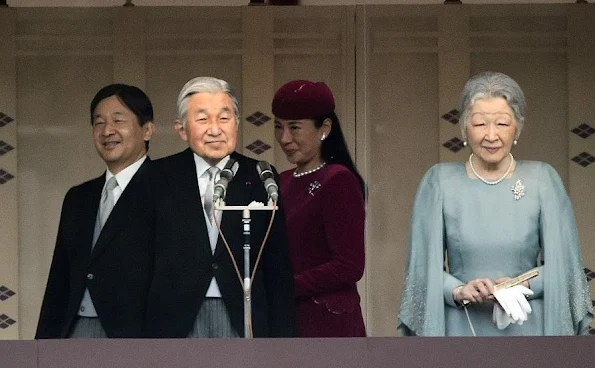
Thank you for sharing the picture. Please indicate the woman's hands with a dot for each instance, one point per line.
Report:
(478, 290)
(475, 291)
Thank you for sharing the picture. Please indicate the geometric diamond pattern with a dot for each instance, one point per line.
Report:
(5, 119)
(584, 159)
(452, 116)
(583, 130)
(5, 147)
(5, 293)
(5, 176)
(258, 118)
(6, 321)
(454, 144)
(258, 147)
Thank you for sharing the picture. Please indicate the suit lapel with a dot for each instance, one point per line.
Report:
(89, 206)
(124, 208)
(183, 178)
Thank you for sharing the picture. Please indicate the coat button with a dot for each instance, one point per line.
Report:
(215, 266)
(90, 276)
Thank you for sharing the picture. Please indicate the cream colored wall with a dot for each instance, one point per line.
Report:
(9, 245)
(395, 70)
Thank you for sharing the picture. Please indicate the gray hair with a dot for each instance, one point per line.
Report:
(205, 85)
(492, 84)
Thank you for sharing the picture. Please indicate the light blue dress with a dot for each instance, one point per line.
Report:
(485, 232)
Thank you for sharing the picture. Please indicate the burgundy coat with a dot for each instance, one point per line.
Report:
(325, 215)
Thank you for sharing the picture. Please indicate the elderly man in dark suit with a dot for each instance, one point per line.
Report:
(102, 263)
(196, 291)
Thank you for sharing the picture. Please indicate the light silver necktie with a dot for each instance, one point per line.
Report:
(208, 199)
(107, 200)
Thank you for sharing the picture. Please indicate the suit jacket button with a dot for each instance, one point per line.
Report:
(90, 276)
(215, 266)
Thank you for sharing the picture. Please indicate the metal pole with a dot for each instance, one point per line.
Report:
(247, 282)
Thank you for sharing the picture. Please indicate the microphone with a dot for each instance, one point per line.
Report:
(268, 178)
(228, 172)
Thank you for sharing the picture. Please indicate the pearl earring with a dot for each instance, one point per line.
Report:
(323, 137)
(464, 143)
(514, 142)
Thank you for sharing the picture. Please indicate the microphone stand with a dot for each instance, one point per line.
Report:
(247, 284)
(247, 287)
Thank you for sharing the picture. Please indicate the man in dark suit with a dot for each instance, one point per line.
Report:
(102, 263)
(197, 291)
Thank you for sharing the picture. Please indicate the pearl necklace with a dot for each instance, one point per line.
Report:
(297, 175)
(488, 182)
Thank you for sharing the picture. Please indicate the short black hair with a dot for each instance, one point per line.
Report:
(132, 97)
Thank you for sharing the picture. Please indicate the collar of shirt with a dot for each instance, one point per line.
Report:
(202, 165)
(125, 176)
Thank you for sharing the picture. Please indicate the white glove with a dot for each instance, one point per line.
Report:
(500, 318)
(514, 302)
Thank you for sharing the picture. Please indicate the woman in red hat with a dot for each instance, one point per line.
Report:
(325, 211)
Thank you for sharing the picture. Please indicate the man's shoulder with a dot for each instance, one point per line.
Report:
(83, 191)
(163, 161)
(172, 162)
(89, 184)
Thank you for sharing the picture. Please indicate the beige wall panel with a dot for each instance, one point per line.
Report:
(56, 152)
(257, 78)
(543, 78)
(402, 107)
(9, 243)
(581, 82)
(166, 75)
(128, 47)
(453, 57)
(318, 44)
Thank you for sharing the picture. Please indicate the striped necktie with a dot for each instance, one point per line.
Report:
(107, 200)
(208, 198)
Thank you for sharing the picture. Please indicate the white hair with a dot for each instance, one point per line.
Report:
(205, 85)
(492, 84)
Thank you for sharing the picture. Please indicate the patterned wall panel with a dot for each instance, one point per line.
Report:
(8, 256)
(416, 60)
(9, 246)
(6, 321)
(5, 147)
(584, 131)
(580, 127)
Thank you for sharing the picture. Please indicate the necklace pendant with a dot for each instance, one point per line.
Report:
(518, 190)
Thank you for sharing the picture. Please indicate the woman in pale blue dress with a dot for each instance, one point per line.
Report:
(479, 223)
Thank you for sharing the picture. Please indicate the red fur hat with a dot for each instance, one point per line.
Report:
(302, 99)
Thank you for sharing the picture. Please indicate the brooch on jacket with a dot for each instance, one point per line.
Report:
(313, 187)
(518, 189)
